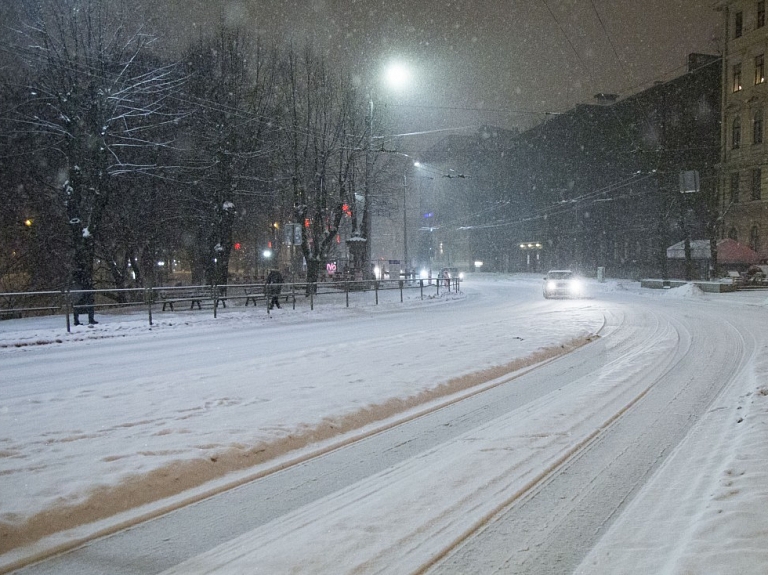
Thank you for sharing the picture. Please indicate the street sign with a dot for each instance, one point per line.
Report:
(292, 234)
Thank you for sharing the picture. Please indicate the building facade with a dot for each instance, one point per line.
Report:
(609, 184)
(600, 185)
(744, 149)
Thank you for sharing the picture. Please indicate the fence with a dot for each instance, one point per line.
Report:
(176, 298)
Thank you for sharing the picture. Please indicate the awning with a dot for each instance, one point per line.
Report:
(728, 252)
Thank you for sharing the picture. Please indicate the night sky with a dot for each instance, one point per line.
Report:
(480, 61)
(498, 62)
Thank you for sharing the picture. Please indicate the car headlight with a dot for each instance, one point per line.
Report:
(551, 285)
(461, 275)
(575, 286)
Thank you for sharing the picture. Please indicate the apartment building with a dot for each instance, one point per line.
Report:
(744, 155)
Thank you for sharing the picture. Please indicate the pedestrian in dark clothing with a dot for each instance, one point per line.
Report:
(84, 302)
(273, 288)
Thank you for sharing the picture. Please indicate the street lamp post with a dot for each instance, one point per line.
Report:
(396, 76)
(530, 247)
(366, 224)
(405, 223)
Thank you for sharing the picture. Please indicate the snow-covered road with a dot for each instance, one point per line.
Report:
(589, 427)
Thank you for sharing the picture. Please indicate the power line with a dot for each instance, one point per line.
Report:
(605, 31)
(562, 31)
(474, 109)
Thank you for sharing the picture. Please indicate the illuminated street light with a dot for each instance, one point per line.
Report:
(397, 75)
(529, 248)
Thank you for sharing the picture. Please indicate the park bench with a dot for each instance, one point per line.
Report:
(195, 296)
(257, 293)
(254, 294)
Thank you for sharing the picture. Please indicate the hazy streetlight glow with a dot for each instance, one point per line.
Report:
(397, 75)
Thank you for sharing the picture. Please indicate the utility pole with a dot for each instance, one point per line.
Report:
(366, 224)
(405, 223)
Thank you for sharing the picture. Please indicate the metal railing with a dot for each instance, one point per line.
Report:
(157, 300)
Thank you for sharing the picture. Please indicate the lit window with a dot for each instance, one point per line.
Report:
(736, 77)
(736, 133)
(738, 24)
(757, 127)
(761, 14)
(760, 69)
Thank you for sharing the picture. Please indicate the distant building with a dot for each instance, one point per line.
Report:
(744, 157)
(462, 180)
(608, 184)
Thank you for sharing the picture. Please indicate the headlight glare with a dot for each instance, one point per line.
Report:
(575, 286)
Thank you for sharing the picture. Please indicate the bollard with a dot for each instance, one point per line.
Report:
(148, 299)
(67, 307)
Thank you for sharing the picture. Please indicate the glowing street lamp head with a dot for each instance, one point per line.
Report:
(397, 75)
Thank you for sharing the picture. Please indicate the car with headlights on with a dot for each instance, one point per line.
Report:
(563, 283)
(450, 273)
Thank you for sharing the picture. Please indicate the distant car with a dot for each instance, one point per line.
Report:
(450, 273)
(757, 274)
(563, 283)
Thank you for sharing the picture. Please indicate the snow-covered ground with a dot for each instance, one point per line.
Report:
(123, 418)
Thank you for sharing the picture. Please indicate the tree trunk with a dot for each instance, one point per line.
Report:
(313, 272)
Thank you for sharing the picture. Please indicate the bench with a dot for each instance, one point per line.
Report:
(195, 296)
(254, 295)
(258, 293)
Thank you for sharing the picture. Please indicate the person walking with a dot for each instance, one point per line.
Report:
(273, 288)
(84, 302)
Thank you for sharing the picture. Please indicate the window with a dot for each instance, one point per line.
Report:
(738, 24)
(757, 183)
(736, 77)
(736, 133)
(760, 14)
(733, 234)
(757, 127)
(754, 238)
(760, 69)
(735, 187)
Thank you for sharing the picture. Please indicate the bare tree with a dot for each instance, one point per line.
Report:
(94, 102)
(232, 86)
(322, 152)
